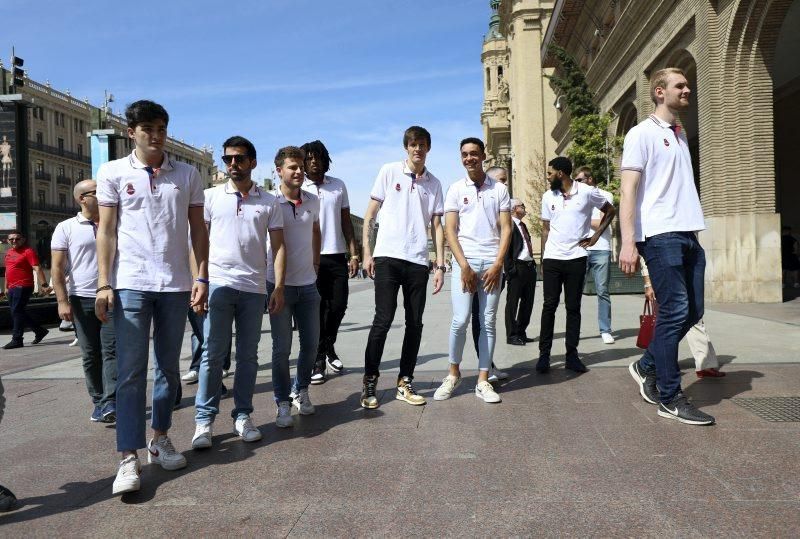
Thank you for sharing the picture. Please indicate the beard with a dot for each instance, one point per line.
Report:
(555, 185)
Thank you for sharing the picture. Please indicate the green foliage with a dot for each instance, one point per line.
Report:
(572, 84)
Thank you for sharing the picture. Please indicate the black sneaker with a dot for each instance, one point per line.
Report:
(680, 409)
(575, 364)
(332, 360)
(318, 372)
(13, 344)
(39, 335)
(543, 365)
(7, 499)
(369, 398)
(646, 381)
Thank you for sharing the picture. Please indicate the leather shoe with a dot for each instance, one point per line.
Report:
(543, 365)
(527, 339)
(575, 364)
(13, 344)
(516, 341)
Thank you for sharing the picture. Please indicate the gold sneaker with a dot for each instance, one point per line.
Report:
(368, 392)
(406, 392)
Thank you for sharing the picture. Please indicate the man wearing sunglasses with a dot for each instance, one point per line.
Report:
(240, 216)
(74, 251)
(21, 263)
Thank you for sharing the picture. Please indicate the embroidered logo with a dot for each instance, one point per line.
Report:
(553, 207)
(397, 187)
(666, 143)
(129, 189)
(466, 200)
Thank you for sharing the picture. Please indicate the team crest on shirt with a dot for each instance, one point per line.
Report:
(466, 200)
(552, 207)
(129, 189)
(397, 187)
(666, 143)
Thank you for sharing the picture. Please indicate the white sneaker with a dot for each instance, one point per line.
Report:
(445, 391)
(246, 430)
(302, 402)
(127, 479)
(495, 375)
(485, 391)
(607, 338)
(283, 418)
(162, 452)
(74, 342)
(202, 436)
(190, 377)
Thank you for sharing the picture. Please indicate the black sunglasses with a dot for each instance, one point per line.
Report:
(228, 159)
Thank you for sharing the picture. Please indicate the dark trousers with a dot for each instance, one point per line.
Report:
(18, 297)
(99, 349)
(519, 299)
(391, 275)
(333, 287)
(196, 323)
(569, 275)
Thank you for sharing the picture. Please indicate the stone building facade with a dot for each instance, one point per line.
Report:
(740, 57)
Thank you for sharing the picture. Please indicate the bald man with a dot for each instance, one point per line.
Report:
(74, 251)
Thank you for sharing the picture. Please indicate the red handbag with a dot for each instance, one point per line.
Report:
(647, 325)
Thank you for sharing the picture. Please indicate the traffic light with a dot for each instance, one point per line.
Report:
(17, 73)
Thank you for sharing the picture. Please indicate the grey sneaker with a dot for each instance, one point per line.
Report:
(162, 452)
(283, 417)
(680, 409)
(302, 402)
(646, 381)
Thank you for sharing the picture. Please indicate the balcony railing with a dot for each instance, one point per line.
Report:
(42, 175)
(63, 180)
(52, 150)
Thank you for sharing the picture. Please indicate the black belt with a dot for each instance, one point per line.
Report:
(525, 262)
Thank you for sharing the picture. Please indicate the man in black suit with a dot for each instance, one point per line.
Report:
(520, 271)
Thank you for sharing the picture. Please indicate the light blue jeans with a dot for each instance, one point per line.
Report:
(134, 311)
(227, 306)
(302, 302)
(462, 307)
(598, 263)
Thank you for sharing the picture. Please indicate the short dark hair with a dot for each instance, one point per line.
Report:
(473, 140)
(18, 233)
(237, 141)
(561, 163)
(145, 111)
(317, 148)
(289, 152)
(416, 132)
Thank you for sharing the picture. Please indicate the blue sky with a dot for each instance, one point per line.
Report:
(351, 73)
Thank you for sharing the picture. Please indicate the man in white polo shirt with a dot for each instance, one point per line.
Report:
(149, 204)
(239, 216)
(301, 299)
(660, 215)
(566, 233)
(335, 268)
(478, 230)
(599, 260)
(409, 198)
(74, 251)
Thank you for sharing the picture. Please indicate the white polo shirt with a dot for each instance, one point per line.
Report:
(407, 206)
(525, 254)
(332, 194)
(604, 243)
(478, 215)
(238, 230)
(667, 199)
(570, 217)
(152, 221)
(298, 233)
(77, 237)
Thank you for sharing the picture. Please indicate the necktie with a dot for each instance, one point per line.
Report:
(527, 237)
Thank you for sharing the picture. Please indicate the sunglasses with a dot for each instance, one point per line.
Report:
(228, 159)
(89, 194)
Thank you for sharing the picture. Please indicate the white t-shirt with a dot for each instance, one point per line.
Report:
(407, 206)
(152, 221)
(604, 243)
(526, 255)
(238, 230)
(298, 235)
(478, 215)
(667, 199)
(77, 237)
(570, 217)
(332, 194)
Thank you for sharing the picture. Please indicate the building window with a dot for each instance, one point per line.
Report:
(40, 196)
(80, 150)
(39, 167)
(63, 122)
(75, 124)
(36, 112)
(62, 200)
(80, 175)
(61, 171)
(488, 78)
(81, 130)
(499, 74)
(39, 138)
(61, 145)
(41, 113)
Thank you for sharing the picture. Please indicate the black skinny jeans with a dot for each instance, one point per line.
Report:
(569, 275)
(333, 287)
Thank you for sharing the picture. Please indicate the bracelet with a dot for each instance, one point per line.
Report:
(201, 280)
(355, 257)
(104, 287)
(648, 286)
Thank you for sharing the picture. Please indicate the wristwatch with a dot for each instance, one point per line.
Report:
(443, 268)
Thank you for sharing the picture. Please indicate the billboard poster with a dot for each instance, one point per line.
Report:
(8, 169)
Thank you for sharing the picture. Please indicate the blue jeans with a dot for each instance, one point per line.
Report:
(302, 302)
(677, 264)
(134, 311)
(599, 262)
(227, 305)
(487, 315)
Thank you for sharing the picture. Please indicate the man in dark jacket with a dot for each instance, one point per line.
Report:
(520, 271)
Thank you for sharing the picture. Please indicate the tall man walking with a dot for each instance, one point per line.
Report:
(335, 268)
(660, 215)
(149, 203)
(239, 216)
(478, 229)
(74, 250)
(410, 200)
(566, 233)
